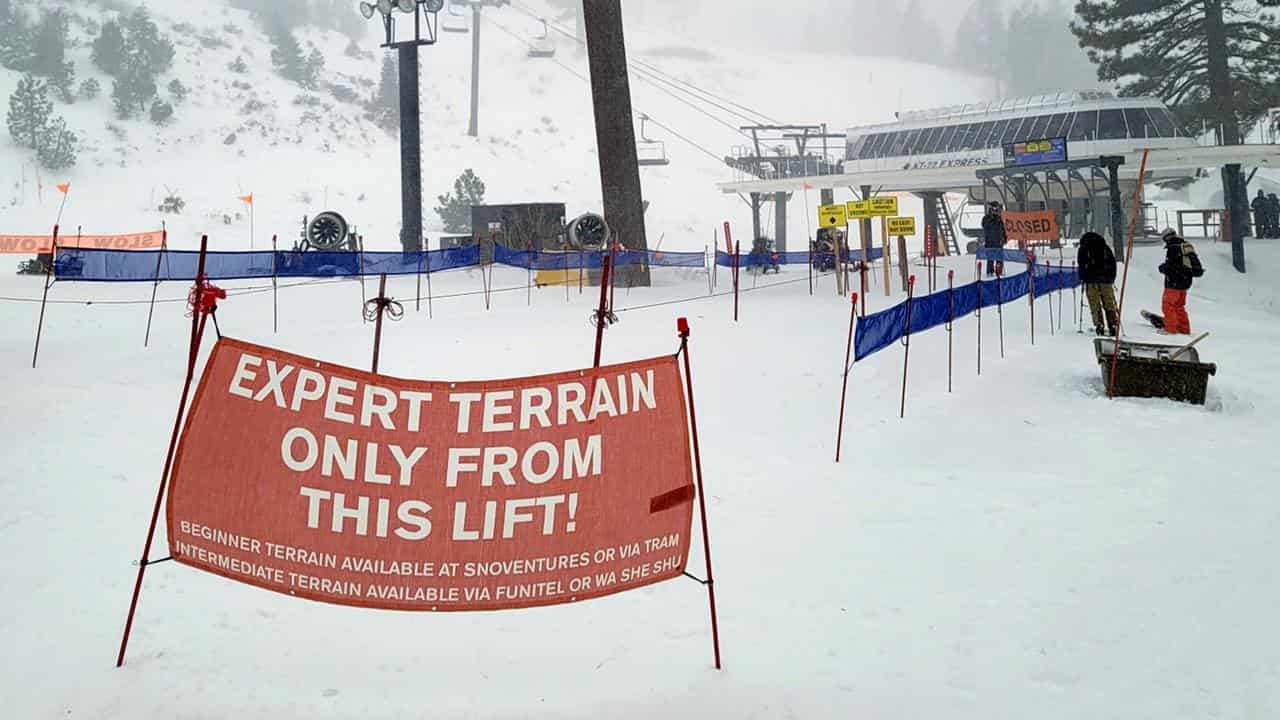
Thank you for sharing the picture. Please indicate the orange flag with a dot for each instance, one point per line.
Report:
(247, 198)
(64, 187)
(807, 186)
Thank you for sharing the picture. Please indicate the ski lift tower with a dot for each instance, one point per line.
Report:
(424, 33)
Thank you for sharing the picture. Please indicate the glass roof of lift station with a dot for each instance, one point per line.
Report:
(1078, 116)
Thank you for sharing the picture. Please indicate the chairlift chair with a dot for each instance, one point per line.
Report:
(454, 21)
(541, 47)
(649, 151)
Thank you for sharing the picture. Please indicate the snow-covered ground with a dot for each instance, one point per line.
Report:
(1022, 547)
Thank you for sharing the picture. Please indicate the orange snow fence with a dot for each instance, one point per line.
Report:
(31, 244)
(335, 484)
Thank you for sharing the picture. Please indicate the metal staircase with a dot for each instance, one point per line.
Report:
(947, 231)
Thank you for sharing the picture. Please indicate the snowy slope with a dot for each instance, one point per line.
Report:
(536, 142)
(1019, 548)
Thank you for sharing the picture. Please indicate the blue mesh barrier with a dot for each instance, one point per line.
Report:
(827, 259)
(93, 265)
(1009, 255)
(878, 331)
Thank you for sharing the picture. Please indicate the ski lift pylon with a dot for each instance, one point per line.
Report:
(454, 21)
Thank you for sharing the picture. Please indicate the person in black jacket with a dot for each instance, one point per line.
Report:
(1273, 216)
(1261, 207)
(993, 233)
(1098, 274)
(1181, 265)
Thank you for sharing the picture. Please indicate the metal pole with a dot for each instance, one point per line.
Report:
(951, 316)
(155, 285)
(605, 267)
(978, 279)
(474, 128)
(417, 292)
(737, 254)
(197, 333)
(410, 150)
(1000, 304)
(683, 327)
(275, 303)
(44, 299)
(1048, 272)
(844, 389)
(810, 269)
(906, 356)
(377, 322)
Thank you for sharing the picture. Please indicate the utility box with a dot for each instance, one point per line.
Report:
(1147, 370)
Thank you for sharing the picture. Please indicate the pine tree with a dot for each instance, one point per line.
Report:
(29, 111)
(108, 48)
(286, 56)
(1042, 55)
(49, 54)
(57, 149)
(312, 70)
(15, 38)
(980, 42)
(1212, 61)
(161, 111)
(384, 107)
(177, 90)
(455, 207)
(144, 40)
(134, 88)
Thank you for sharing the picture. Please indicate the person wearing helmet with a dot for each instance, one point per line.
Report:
(1180, 267)
(993, 233)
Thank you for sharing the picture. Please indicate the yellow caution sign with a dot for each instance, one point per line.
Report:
(902, 226)
(884, 206)
(860, 210)
(830, 216)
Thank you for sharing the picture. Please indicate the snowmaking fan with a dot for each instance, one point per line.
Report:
(328, 231)
(588, 231)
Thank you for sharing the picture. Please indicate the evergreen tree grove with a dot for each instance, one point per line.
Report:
(29, 111)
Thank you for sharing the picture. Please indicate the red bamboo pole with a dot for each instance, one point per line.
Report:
(683, 327)
(197, 333)
(44, 299)
(844, 389)
(1061, 278)
(360, 266)
(911, 285)
(601, 313)
(1128, 255)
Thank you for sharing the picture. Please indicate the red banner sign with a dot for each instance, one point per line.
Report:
(32, 244)
(1034, 226)
(334, 484)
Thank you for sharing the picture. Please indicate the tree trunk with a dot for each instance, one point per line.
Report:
(615, 131)
(1222, 99)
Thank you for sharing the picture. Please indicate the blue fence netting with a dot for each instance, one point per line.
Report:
(826, 259)
(878, 331)
(91, 265)
(554, 260)
(1009, 255)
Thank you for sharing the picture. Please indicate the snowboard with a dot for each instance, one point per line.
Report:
(1157, 321)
